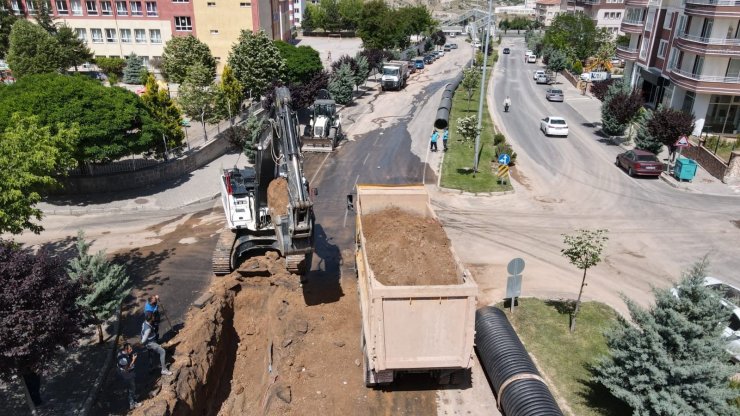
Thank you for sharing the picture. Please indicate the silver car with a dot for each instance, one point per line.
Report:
(554, 94)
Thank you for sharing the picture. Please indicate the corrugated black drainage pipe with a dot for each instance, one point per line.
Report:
(519, 389)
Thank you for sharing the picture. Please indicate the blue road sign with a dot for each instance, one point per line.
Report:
(504, 159)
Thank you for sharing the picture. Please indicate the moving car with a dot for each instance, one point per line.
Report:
(447, 48)
(532, 59)
(639, 162)
(554, 126)
(554, 94)
(543, 79)
(507, 51)
(453, 45)
(537, 74)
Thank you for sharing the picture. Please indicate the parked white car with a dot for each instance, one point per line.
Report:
(537, 74)
(532, 59)
(554, 126)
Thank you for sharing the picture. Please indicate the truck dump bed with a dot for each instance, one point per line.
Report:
(412, 327)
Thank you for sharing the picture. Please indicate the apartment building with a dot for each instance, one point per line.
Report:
(120, 27)
(220, 22)
(546, 10)
(295, 8)
(685, 54)
(606, 14)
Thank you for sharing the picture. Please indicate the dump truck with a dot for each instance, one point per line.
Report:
(411, 328)
(395, 74)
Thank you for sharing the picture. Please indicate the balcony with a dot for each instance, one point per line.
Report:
(705, 83)
(713, 8)
(631, 25)
(627, 53)
(590, 2)
(708, 46)
(636, 3)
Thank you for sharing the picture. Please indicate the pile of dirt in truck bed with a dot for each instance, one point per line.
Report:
(277, 196)
(259, 347)
(407, 249)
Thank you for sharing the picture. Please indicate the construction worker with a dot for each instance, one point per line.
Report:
(433, 144)
(445, 136)
(126, 360)
(149, 339)
(152, 306)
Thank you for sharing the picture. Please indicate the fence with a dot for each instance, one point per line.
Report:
(720, 147)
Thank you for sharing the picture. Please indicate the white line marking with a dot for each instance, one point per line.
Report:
(320, 166)
(367, 156)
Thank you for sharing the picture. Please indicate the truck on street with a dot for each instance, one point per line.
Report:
(427, 326)
(395, 74)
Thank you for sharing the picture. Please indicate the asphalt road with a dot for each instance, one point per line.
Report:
(562, 184)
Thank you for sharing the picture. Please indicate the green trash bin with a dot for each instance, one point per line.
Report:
(685, 169)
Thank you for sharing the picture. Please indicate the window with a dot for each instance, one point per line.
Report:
(682, 28)
(151, 8)
(15, 5)
(618, 15)
(140, 35)
(181, 1)
(211, 4)
(245, 4)
(97, 35)
(121, 8)
(136, 8)
(667, 21)
(126, 35)
(105, 8)
(92, 7)
(214, 31)
(183, 24)
(30, 8)
(76, 8)
(650, 19)
(688, 102)
(81, 35)
(733, 68)
(643, 48)
(662, 48)
(673, 58)
(62, 7)
(145, 61)
(110, 35)
(155, 36)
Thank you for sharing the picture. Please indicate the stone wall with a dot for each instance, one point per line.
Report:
(732, 174)
(172, 169)
(711, 163)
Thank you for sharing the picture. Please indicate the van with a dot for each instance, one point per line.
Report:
(532, 59)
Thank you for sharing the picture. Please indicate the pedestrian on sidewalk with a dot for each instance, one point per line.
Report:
(445, 136)
(433, 144)
(149, 339)
(126, 361)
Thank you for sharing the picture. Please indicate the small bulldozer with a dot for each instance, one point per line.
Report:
(324, 130)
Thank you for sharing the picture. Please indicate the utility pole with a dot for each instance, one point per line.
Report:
(482, 88)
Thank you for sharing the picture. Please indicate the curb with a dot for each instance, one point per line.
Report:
(665, 178)
(476, 194)
(98, 384)
(72, 211)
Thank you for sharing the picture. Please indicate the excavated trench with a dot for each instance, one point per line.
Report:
(257, 348)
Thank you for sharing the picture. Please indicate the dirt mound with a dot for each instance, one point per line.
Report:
(257, 348)
(407, 249)
(277, 196)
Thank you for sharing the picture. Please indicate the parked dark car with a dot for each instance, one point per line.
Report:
(412, 67)
(640, 162)
(428, 59)
(419, 62)
(507, 51)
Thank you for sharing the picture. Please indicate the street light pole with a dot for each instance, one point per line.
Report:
(482, 88)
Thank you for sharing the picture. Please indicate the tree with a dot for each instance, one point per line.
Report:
(345, 60)
(363, 70)
(350, 12)
(229, 96)
(504, 25)
(643, 139)
(619, 108)
(670, 359)
(318, 16)
(104, 284)
(342, 85)
(301, 63)
(164, 110)
(132, 70)
(470, 82)
(73, 50)
(667, 125)
(439, 38)
(375, 58)
(601, 88)
(45, 16)
(575, 32)
(467, 128)
(307, 23)
(557, 62)
(113, 122)
(256, 62)
(374, 28)
(111, 67)
(180, 53)
(38, 314)
(303, 95)
(30, 158)
(197, 95)
(602, 59)
(583, 249)
(32, 50)
(333, 22)
(7, 18)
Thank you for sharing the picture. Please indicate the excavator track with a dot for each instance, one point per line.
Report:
(222, 253)
(295, 263)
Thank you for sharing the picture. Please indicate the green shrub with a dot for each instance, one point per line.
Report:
(498, 138)
(577, 67)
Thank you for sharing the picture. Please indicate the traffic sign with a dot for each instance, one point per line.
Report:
(503, 170)
(514, 287)
(516, 266)
(682, 141)
(504, 159)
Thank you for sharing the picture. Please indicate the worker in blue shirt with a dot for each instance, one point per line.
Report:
(435, 137)
(445, 136)
(152, 306)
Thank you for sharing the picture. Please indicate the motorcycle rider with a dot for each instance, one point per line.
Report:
(507, 103)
